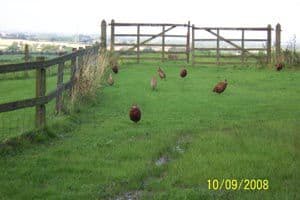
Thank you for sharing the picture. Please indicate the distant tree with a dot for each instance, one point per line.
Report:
(50, 48)
(14, 47)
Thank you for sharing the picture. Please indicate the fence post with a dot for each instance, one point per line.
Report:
(243, 46)
(218, 47)
(80, 63)
(26, 59)
(193, 44)
(112, 36)
(278, 42)
(103, 35)
(138, 44)
(163, 44)
(40, 110)
(73, 71)
(60, 76)
(269, 41)
(188, 43)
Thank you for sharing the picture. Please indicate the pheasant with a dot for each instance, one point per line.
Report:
(153, 83)
(220, 87)
(161, 73)
(115, 69)
(183, 73)
(135, 113)
(279, 66)
(110, 80)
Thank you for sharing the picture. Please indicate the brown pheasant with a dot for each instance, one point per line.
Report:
(110, 80)
(135, 114)
(220, 87)
(161, 73)
(183, 73)
(279, 66)
(115, 69)
(153, 83)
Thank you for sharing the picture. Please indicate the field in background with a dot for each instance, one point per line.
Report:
(249, 131)
(4, 43)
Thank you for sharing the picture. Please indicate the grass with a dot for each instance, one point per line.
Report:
(249, 131)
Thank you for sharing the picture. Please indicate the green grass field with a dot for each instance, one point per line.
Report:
(251, 131)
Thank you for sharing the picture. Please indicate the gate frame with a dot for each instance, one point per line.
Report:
(215, 31)
(165, 28)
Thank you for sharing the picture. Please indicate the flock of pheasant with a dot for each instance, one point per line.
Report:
(135, 112)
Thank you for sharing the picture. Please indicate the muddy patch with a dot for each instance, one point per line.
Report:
(172, 153)
(132, 195)
(162, 161)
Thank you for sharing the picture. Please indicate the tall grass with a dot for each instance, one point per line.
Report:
(90, 77)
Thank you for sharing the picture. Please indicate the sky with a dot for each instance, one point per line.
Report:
(84, 16)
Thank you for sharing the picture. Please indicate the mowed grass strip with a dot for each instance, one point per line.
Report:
(249, 131)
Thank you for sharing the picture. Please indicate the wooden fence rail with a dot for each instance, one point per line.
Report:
(41, 98)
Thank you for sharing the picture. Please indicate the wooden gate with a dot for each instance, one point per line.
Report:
(133, 50)
(235, 51)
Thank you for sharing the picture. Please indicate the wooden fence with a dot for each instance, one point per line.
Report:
(143, 39)
(237, 45)
(192, 43)
(41, 98)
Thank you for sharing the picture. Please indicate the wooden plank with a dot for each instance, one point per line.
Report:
(149, 35)
(5, 107)
(193, 44)
(175, 52)
(40, 110)
(60, 80)
(7, 68)
(147, 24)
(278, 43)
(151, 38)
(232, 40)
(125, 44)
(218, 47)
(233, 28)
(231, 49)
(149, 58)
(166, 45)
(26, 58)
(138, 44)
(73, 70)
(214, 49)
(269, 43)
(188, 43)
(112, 35)
(243, 46)
(154, 52)
(214, 55)
(163, 43)
(223, 63)
(154, 45)
(103, 35)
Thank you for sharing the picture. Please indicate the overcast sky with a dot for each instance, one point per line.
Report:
(84, 16)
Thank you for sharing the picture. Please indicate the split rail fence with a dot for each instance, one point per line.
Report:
(41, 98)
